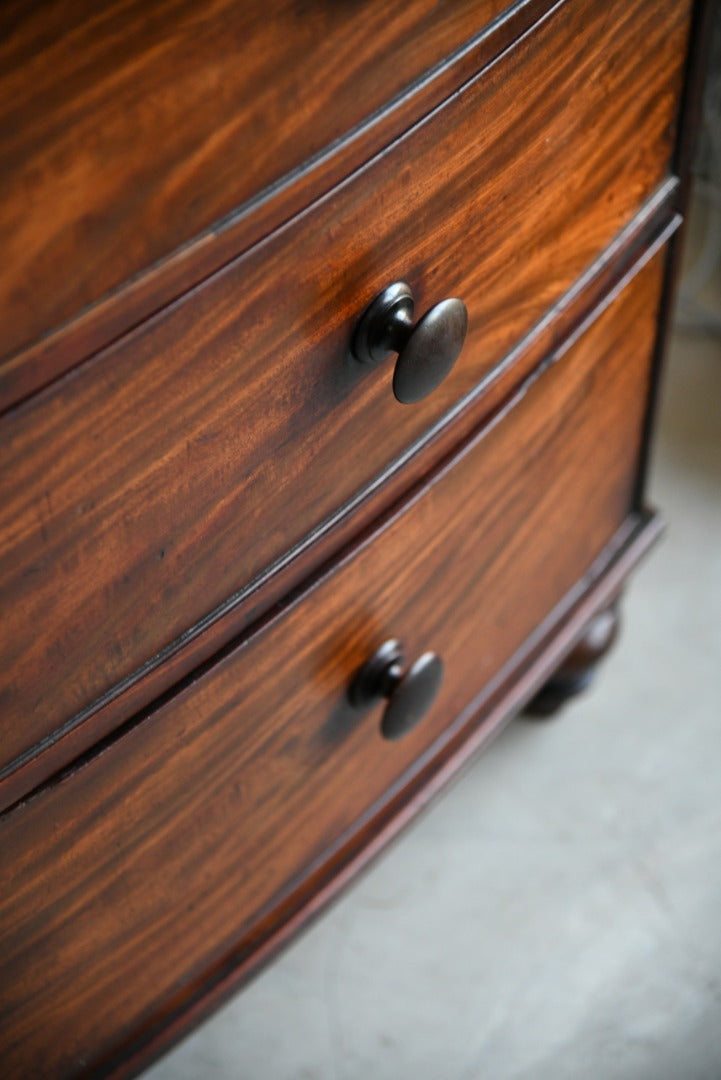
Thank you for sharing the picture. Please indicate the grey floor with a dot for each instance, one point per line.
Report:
(557, 913)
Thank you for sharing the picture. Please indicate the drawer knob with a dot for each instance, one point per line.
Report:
(410, 694)
(426, 351)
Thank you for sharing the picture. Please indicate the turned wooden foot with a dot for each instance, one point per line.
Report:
(579, 668)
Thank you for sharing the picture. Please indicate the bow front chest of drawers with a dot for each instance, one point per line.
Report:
(330, 338)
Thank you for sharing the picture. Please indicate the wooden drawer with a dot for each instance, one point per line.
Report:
(162, 863)
(142, 495)
(232, 98)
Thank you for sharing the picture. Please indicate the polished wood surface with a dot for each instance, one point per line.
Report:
(165, 474)
(646, 234)
(201, 822)
(474, 732)
(229, 97)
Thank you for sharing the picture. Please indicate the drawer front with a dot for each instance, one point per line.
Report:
(145, 489)
(140, 876)
(126, 134)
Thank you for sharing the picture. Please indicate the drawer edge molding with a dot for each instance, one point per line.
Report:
(243, 613)
(70, 343)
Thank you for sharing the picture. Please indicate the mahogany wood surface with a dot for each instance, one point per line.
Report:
(129, 128)
(94, 327)
(475, 729)
(173, 844)
(633, 248)
(147, 487)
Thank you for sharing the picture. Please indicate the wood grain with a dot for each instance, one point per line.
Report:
(231, 98)
(171, 845)
(646, 235)
(475, 731)
(153, 484)
(88, 330)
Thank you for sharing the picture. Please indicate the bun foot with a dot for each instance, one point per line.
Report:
(578, 670)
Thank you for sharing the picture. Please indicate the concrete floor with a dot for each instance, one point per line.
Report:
(557, 913)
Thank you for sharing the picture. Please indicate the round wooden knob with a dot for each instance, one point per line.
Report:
(410, 693)
(426, 351)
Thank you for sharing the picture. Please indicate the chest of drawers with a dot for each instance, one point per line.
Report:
(276, 555)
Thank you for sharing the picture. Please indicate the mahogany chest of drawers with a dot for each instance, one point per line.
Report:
(330, 340)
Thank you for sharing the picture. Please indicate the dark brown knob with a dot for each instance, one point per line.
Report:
(426, 351)
(410, 694)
